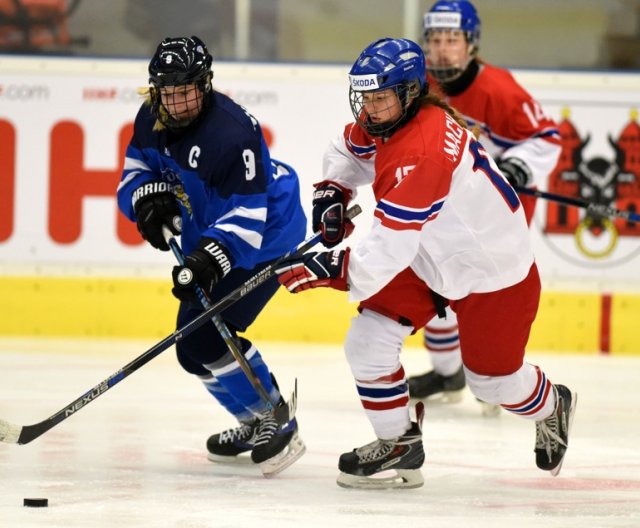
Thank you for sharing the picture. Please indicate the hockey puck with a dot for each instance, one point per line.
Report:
(36, 503)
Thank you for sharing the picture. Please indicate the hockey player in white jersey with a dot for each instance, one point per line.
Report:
(513, 129)
(446, 220)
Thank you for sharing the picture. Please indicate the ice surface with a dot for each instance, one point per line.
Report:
(135, 457)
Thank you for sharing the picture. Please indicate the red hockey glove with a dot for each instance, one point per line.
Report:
(330, 200)
(315, 270)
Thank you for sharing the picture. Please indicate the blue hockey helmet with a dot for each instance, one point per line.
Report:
(179, 61)
(452, 15)
(388, 63)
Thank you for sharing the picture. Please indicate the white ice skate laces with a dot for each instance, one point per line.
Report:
(242, 433)
(375, 450)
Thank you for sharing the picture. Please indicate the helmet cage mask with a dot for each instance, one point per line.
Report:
(180, 62)
(405, 93)
(452, 15)
(396, 64)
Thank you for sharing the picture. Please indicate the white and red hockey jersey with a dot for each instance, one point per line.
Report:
(443, 208)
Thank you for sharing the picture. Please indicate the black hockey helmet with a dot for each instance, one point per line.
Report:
(179, 60)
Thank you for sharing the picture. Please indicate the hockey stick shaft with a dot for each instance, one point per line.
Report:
(23, 434)
(222, 328)
(600, 209)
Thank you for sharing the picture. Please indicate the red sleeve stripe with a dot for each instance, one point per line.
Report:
(365, 151)
(358, 143)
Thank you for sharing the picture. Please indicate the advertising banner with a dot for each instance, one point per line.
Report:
(65, 124)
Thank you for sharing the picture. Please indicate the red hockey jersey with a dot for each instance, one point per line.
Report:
(511, 123)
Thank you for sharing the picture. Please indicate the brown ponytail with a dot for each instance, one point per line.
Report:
(433, 99)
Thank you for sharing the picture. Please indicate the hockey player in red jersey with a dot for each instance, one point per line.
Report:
(446, 220)
(514, 130)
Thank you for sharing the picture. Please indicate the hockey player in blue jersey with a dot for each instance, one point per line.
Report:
(198, 164)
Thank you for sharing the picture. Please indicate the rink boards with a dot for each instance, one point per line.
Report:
(70, 265)
(585, 322)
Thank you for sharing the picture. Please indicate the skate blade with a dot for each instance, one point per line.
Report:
(574, 402)
(239, 460)
(393, 479)
(278, 463)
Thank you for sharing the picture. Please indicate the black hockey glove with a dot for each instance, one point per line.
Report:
(205, 266)
(155, 205)
(327, 269)
(516, 171)
(330, 200)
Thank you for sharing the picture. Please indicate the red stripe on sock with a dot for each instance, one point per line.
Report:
(391, 378)
(605, 323)
(385, 405)
(541, 404)
(440, 331)
(534, 394)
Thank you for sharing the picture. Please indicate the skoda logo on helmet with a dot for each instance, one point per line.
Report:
(364, 82)
(168, 59)
(443, 20)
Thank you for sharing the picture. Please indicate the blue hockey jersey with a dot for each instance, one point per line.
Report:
(221, 173)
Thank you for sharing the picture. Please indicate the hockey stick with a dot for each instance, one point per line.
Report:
(23, 434)
(222, 328)
(601, 209)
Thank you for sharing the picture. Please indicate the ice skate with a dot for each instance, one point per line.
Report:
(552, 433)
(228, 447)
(278, 444)
(447, 389)
(385, 464)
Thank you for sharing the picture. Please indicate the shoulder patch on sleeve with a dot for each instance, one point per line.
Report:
(358, 142)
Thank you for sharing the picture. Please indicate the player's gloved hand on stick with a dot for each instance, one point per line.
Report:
(205, 266)
(516, 171)
(330, 200)
(315, 270)
(155, 205)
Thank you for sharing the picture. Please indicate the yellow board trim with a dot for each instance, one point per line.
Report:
(625, 311)
(567, 322)
(144, 308)
(81, 307)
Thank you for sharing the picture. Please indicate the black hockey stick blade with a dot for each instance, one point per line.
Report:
(23, 434)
